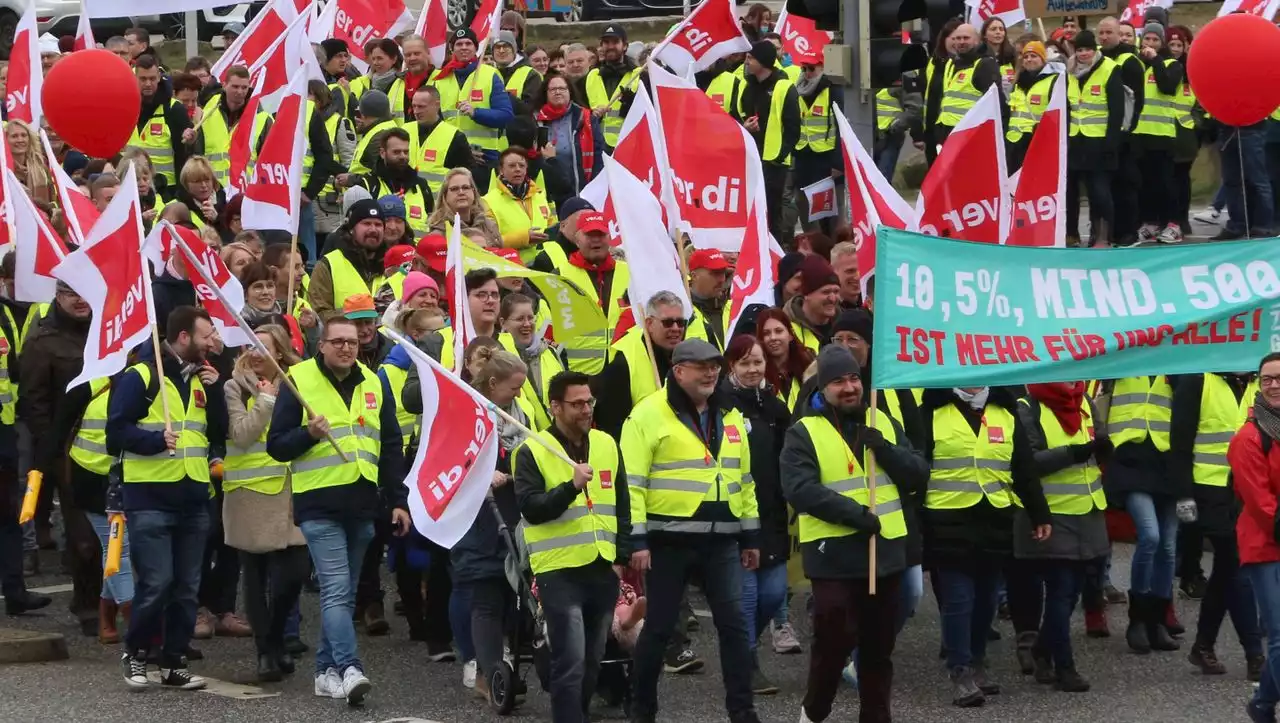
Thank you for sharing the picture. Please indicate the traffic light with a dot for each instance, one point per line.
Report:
(825, 13)
(890, 52)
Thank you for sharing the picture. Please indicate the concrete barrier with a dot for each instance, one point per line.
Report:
(26, 646)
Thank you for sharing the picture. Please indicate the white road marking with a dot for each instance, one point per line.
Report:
(52, 589)
(235, 691)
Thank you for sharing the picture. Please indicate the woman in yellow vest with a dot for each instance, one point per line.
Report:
(1154, 137)
(200, 192)
(521, 336)
(257, 510)
(520, 206)
(980, 461)
(458, 197)
(1190, 118)
(1208, 410)
(1066, 451)
(1029, 96)
(148, 199)
(478, 558)
(384, 62)
(995, 36)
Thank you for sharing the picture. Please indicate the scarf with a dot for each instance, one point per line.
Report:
(737, 384)
(1065, 400)
(1079, 70)
(1267, 417)
(382, 81)
(519, 191)
(449, 67)
(188, 368)
(509, 435)
(976, 402)
(414, 81)
(804, 86)
(253, 315)
(549, 113)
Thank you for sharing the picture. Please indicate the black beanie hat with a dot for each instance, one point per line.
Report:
(764, 53)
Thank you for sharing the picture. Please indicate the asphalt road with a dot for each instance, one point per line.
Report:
(1158, 688)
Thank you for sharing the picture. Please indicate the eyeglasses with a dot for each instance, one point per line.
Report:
(459, 189)
(557, 90)
(1268, 381)
(583, 404)
(673, 323)
(343, 343)
(485, 295)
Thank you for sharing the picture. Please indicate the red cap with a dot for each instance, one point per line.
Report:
(397, 255)
(709, 259)
(433, 249)
(593, 221)
(511, 255)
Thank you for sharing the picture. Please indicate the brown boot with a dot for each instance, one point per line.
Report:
(108, 633)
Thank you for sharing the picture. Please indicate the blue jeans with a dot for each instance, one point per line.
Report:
(1265, 579)
(307, 231)
(118, 587)
(763, 592)
(886, 156)
(1244, 174)
(969, 601)
(1063, 580)
(782, 615)
(167, 549)
(1153, 559)
(911, 591)
(337, 549)
(460, 620)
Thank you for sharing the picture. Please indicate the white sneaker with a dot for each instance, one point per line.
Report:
(784, 639)
(355, 686)
(1148, 233)
(329, 684)
(1170, 235)
(804, 717)
(1210, 215)
(469, 674)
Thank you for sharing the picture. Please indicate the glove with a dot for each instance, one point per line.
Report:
(872, 438)
(1187, 510)
(1080, 453)
(873, 522)
(1102, 449)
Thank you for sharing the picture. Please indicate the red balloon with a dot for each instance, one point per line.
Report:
(1234, 68)
(91, 99)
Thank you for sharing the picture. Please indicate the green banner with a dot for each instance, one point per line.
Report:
(960, 314)
(573, 313)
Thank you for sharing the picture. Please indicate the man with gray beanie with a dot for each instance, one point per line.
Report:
(693, 507)
(373, 118)
(826, 455)
(521, 80)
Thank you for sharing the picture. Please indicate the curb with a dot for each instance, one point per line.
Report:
(25, 646)
(637, 29)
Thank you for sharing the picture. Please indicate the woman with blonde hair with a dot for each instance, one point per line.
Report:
(143, 173)
(27, 157)
(257, 512)
(237, 256)
(458, 195)
(199, 189)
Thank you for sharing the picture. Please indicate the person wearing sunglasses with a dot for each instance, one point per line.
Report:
(634, 372)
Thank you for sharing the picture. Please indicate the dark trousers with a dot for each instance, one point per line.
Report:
(427, 614)
(1190, 551)
(11, 583)
(1102, 208)
(369, 588)
(165, 549)
(673, 560)
(272, 583)
(847, 616)
(1228, 591)
(1247, 182)
(492, 612)
(579, 604)
(1181, 195)
(968, 604)
(775, 185)
(1156, 198)
(1125, 185)
(1063, 580)
(220, 575)
(1024, 583)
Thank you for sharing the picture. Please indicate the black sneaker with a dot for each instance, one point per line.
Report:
(683, 662)
(761, 685)
(1194, 588)
(440, 653)
(1256, 664)
(181, 678)
(26, 602)
(1069, 681)
(295, 646)
(135, 670)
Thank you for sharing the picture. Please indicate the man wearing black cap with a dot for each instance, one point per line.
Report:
(697, 511)
(337, 56)
(355, 266)
(610, 86)
(826, 455)
(771, 112)
(473, 98)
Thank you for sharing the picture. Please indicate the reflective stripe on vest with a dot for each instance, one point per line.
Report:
(357, 165)
(548, 366)
(639, 367)
(598, 95)
(1185, 100)
(89, 448)
(959, 95)
(1076, 490)
(188, 421)
(843, 473)
(1221, 416)
(156, 139)
(588, 353)
(415, 207)
(475, 90)
(347, 282)
(966, 466)
(888, 109)
(1159, 111)
(354, 427)
(1026, 107)
(817, 127)
(1089, 115)
(217, 139)
(773, 150)
(427, 156)
(581, 534)
(532, 213)
(1140, 409)
(253, 468)
(410, 423)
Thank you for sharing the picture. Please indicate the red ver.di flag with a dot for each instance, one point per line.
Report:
(754, 275)
(1038, 204)
(109, 273)
(269, 24)
(1010, 11)
(1136, 10)
(801, 38)
(637, 151)
(457, 454)
(1265, 9)
(965, 193)
(821, 197)
(165, 242)
(37, 250)
(273, 199)
(359, 21)
(84, 32)
(26, 74)
(709, 33)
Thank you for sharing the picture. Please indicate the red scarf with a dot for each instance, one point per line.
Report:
(606, 266)
(549, 113)
(586, 140)
(412, 82)
(1065, 400)
(453, 64)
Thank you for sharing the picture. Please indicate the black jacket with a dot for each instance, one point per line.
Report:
(1218, 507)
(767, 421)
(1100, 154)
(542, 500)
(178, 121)
(612, 389)
(986, 73)
(847, 557)
(757, 99)
(1133, 75)
(981, 534)
(398, 182)
(1140, 467)
(52, 356)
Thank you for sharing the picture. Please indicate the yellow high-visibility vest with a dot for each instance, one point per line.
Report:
(1026, 107)
(410, 423)
(355, 427)
(888, 109)
(426, 155)
(1221, 416)
(1077, 489)
(968, 467)
(1089, 114)
(817, 127)
(157, 140)
(357, 165)
(187, 420)
(1159, 110)
(726, 90)
(347, 282)
(958, 96)
(536, 396)
(476, 91)
(639, 363)
(773, 150)
(89, 448)
(1140, 409)
(252, 468)
(598, 95)
(588, 353)
(843, 473)
(582, 533)
(532, 213)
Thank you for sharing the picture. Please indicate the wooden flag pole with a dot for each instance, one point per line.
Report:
(164, 398)
(871, 498)
(293, 251)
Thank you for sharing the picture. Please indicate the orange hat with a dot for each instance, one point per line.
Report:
(359, 306)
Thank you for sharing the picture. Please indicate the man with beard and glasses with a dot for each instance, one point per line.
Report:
(392, 175)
